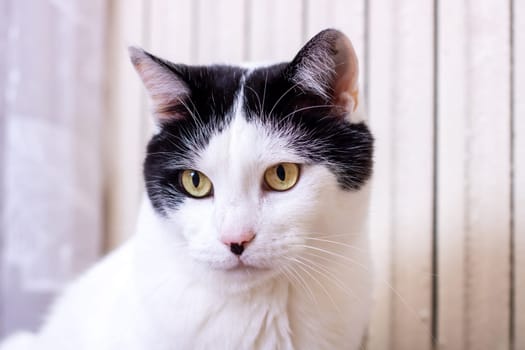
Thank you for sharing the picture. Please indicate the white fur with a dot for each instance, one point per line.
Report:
(174, 285)
(315, 72)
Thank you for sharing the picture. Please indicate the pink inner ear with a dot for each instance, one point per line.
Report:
(165, 89)
(346, 91)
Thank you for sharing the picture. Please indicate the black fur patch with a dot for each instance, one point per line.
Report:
(174, 148)
(316, 130)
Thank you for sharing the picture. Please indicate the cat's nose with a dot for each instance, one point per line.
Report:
(237, 243)
(237, 248)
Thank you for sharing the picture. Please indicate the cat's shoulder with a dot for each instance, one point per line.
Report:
(92, 304)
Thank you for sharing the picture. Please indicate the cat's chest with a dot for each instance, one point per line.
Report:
(234, 325)
(202, 320)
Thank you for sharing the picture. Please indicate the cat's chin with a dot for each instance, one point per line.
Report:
(242, 277)
(241, 268)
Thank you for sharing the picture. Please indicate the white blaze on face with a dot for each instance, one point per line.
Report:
(235, 161)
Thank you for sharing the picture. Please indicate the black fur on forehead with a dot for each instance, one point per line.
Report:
(316, 130)
(206, 111)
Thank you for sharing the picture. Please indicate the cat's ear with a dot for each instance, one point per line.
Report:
(164, 84)
(327, 66)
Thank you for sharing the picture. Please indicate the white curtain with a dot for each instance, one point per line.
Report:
(51, 109)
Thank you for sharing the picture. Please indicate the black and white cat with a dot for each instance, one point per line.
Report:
(253, 231)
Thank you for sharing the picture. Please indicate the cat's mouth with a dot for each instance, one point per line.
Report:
(238, 264)
(243, 266)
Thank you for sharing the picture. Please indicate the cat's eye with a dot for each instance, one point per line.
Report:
(195, 183)
(282, 176)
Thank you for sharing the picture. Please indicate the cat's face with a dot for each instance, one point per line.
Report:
(251, 166)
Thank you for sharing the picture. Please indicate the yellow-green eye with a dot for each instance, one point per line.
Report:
(282, 176)
(195, 183)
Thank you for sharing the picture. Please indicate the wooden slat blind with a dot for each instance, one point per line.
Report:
(518, 158)
(171, 29)
(126, 119)
(451, 172)
(379, 63)
(412, 173)
(474, 165)
(220, 23)
(267, 22)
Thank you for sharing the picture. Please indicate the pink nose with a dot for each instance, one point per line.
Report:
(237, 242)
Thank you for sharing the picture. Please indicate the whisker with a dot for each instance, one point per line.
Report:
(305, 285)
(194, 107)
(334, 254)
(301, 264)
(257, 96)
(338, 243)
(264, 90)
(323, 271)
(350, 246)
(381, 280)
(305, 109)
(289, 275)
(285, 93)
(348, 234)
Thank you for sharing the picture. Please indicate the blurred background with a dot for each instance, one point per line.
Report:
(444, 82)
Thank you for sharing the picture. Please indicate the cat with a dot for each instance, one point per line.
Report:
(252, 233)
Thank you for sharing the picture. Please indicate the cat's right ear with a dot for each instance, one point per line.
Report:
(165, 86)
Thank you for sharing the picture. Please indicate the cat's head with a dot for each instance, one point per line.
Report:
(251, 168)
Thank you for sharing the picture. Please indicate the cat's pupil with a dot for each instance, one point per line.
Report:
(281, 173)
(195, 178)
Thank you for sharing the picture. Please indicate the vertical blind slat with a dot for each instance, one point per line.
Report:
(275, 30)
(125, 134)
(347, 16)
(519, 174)
(488, 170)
(380, 102)
(220, 31)
(171, 35)
(412, 175)
(4, 21)
(451, 180)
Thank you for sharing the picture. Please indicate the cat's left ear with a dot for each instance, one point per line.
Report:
(327, 66)
(164, 84)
